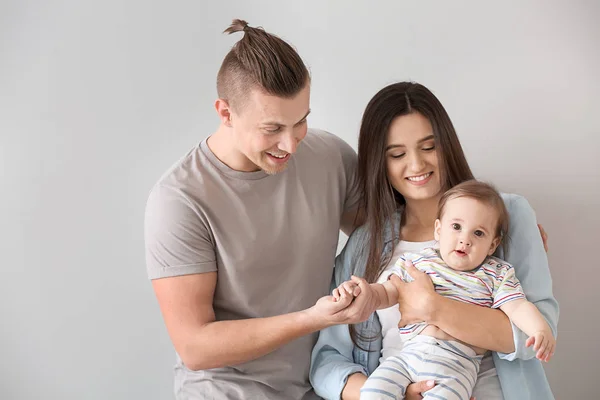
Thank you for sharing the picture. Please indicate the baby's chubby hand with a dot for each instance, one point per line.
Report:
(543, 343)
(349, 287)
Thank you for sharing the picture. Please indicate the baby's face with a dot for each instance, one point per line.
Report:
(466, 233)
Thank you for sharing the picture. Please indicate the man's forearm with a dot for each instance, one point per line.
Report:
(222, 343)
(478, 326)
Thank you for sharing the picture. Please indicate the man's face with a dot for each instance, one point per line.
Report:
(268, 129)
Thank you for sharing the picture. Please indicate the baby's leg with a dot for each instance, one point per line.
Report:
(450, 364)
(388, 381)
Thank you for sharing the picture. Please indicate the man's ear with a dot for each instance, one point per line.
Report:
(224, 111)
(494, 245)
(437, 229)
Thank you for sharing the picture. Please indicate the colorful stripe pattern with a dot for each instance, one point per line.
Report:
(492, 284)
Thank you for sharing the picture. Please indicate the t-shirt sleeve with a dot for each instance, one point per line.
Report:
(506, 286)
(177, 239)
(400, 268)
(526, 251)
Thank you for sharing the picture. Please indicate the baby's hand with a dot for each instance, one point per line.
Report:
(349, 287)
(544, 343)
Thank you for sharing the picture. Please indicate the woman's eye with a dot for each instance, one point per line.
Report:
(479, 233)
(398, 155)
(429, 148)
(456, 227)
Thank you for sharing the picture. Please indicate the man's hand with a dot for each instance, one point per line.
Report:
(327, 309)
(543, 343)
(364, 304)
(352, 302)
(416, 299)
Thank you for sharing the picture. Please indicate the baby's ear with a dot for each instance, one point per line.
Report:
(437, 229)
(494, 245)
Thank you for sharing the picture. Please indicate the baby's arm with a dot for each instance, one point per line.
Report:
(528, 318)
(385, 294)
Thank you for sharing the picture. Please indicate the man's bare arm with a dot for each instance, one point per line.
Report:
(203, 343)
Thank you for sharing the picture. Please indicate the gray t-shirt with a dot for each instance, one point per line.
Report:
(272, 240)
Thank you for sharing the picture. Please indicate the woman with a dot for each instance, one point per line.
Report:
(409, 155)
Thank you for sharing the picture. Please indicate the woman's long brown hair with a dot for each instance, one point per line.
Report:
(380, 200)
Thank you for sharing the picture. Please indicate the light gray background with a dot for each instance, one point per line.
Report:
(98, 98)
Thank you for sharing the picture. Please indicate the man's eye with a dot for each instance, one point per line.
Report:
(456, 227)
(479, 233)
(273, 130)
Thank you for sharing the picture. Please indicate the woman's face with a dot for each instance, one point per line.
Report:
(411, 158)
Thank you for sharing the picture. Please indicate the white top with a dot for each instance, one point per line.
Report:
(389, 317)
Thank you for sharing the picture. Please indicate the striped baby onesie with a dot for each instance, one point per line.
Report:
(453, 365)
(492, 284)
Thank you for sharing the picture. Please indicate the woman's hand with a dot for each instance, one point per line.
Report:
(544, 236)
(416, 299)
(414, 390)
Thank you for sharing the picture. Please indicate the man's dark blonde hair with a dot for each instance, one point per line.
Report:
(484, 193)
(259, 60)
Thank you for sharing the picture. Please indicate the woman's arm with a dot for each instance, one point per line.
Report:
(527, 255)
(332, 360)
(353, 385)
(530, 320)
(478, 326)
(475, 325)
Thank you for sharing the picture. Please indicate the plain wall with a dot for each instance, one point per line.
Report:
(98, 98)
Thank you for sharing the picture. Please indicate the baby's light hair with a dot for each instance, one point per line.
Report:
(485, 193)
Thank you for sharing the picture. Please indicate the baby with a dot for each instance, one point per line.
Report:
(472, 221)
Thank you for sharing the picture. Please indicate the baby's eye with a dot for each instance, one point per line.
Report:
(456, 226)
(479, 233)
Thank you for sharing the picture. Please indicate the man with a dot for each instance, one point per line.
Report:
(241, 233)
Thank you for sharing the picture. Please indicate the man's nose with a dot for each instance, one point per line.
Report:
(288, 143)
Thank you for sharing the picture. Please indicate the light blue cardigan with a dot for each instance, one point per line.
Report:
(522, 377)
